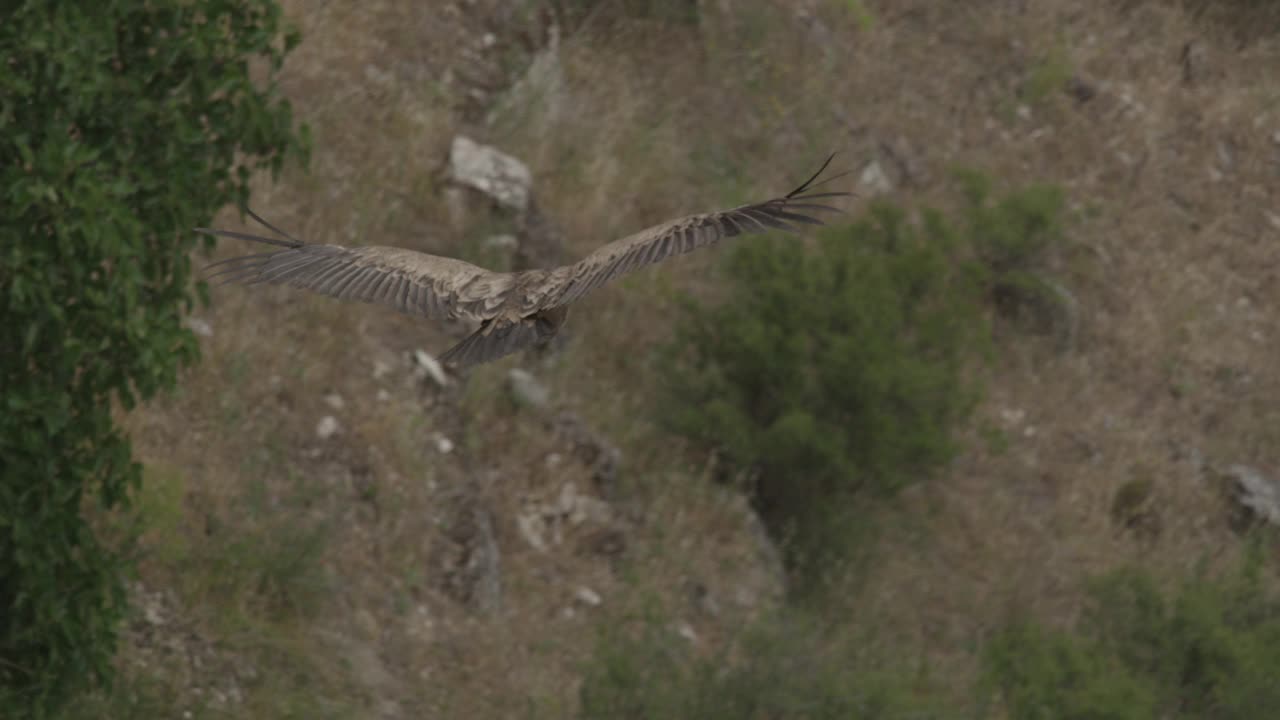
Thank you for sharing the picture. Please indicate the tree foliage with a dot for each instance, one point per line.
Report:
(123, 124)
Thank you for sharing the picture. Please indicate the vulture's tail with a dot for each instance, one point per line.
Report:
(494, 340)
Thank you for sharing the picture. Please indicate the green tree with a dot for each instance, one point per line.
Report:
(123, 125)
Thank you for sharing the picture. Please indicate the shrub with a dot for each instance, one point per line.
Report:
(1011, 238)
(784, 667)
(123, 125)
(1211, 649)
(841, 368)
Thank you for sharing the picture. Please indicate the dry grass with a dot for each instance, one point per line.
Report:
(1171, 259)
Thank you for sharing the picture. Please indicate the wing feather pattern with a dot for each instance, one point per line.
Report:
(566, 284)
(407, 280)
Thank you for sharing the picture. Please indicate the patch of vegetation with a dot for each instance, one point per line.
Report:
(783, 667)
(842, 368)
(1011, 238)
(1048, 75)
(132, 695)
(1249, 20)
(1210, 649)
(122, 126)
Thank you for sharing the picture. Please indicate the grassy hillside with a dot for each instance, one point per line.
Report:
(387, 570)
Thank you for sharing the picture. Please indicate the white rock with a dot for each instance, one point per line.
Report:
(380, 369)
(152, 615)
(874, 179)
(335, 401)
(199, 327)
(587, 508)
(685, 630)
(501, 242)
(443, 444)
(492, 172)
(1013, 416)
(383, 395)
(1256, 491)
(431, 366)
(568, 498)
(533, 530)
(327, 427)
(526, 390)
(587, 596)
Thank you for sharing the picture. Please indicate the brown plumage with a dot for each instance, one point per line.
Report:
(514, 309)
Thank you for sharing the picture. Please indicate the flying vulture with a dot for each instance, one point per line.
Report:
(514, 309)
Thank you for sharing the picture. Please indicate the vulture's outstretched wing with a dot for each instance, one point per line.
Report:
(407, 280)
(570, 282)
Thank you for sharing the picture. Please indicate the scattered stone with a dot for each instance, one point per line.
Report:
(1256, 492)
(539, 96)
(431, 367)
(1013, 416)
(526, 391)
(470, 560)
(504, 243)
(380, 369)
(1081, 90)
(589, 447)
(500, 176)
(907, 159)
(703, 599)
(1226, 156)
(587, 596)
(153, 614)
(335, 401)
(1194, 61)
(199, 327)
(533, 530)
(1024, 112)
(543, 524)
(685, 630)
(443, 444)
(874, 179)
(327, 427)
(383, 395)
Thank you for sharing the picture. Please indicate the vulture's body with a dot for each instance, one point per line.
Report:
(515, 309)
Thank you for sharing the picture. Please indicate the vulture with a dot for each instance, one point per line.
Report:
(514, 309)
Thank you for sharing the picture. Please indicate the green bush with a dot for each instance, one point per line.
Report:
(1211, 649)
(841, 367)
(1011, 238)
(785, 667)
(123, 124)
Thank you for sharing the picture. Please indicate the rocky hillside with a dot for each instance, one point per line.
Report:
(337, 528)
